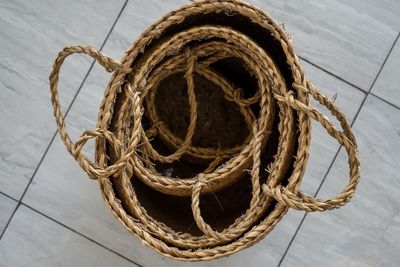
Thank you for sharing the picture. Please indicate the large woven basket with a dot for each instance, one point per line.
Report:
(204, 131)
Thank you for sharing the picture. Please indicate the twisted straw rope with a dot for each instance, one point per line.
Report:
(135, 154)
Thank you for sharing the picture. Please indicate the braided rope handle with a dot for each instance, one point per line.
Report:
(94, 171)
(346, 138)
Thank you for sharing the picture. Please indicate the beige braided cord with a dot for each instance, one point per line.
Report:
(346, 139)
(133, 155)
(94, 171)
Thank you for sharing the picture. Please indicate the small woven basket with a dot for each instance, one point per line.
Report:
(203, 134)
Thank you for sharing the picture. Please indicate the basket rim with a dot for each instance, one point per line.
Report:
(106, 109)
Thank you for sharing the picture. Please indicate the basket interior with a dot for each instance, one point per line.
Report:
(219, 124)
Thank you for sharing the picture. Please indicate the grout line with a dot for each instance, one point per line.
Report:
(384, 62)
(65, 115)
(9, 220)
(337, 152)
(384, 100)
(47, 148)
(7, 196)
(78, 233)
(332, 74)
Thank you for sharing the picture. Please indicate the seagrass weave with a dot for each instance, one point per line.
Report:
(203, 134)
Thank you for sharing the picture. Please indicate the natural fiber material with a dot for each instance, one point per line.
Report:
(198, 177)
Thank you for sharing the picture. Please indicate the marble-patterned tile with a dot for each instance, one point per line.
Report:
(7, 206)
(34, 240)
(349, 38)
(387, 85)
(31, 34)
(366, 231)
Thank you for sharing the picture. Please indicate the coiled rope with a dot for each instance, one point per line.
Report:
(136, 156)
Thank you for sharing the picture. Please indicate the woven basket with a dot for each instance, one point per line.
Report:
(204, 131)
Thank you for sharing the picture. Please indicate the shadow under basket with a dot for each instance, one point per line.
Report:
(204, 131)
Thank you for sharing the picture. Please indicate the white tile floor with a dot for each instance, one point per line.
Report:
(52, 215)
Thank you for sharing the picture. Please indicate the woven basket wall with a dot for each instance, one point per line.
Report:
(204, 131)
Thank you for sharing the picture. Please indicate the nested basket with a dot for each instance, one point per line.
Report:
(204, 131)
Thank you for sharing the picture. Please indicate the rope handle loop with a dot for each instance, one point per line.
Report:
(345, 138)
(75, 149)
